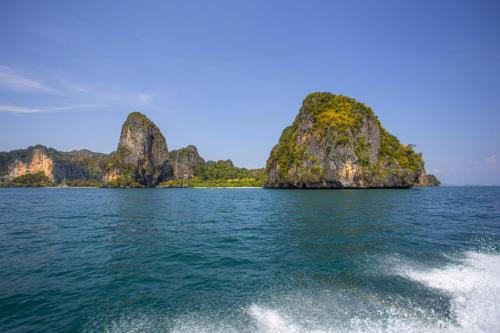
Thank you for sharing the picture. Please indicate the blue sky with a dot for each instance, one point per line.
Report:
(228, 76)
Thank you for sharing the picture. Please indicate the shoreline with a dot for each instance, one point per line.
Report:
(154, 188)
(242, 187)
(187, 187)
(225, 187)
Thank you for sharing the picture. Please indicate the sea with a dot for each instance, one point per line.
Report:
(250, 260)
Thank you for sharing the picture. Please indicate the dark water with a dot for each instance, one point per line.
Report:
(250, 260)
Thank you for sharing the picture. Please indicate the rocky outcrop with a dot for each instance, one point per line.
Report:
(141, 160)
(337, 142)
(55, 165)
(38, 161)
(185, 162)
(142, 154)
(334, 142)
(428, 180)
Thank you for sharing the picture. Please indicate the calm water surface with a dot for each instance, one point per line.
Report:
(250, 260)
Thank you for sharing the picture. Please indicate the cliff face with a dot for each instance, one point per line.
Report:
(185, 162)
(55, 165)
(142, 154)
(334, 142)
(337, 142)
(38, 161)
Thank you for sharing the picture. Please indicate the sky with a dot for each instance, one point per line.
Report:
(229, 76)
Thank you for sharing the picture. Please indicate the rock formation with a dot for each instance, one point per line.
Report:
(55, 165)
(337, 142)
(334, 142)
(142, 154)
(185, 162)
(38, 161)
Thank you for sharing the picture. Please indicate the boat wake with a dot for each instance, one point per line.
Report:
(470, 288)
(473, 285)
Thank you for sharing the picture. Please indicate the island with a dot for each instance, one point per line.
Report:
(334, 142)
(142, 159)
(338, 142)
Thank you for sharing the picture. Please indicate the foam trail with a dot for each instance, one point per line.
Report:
(472, 285)
(474, 288)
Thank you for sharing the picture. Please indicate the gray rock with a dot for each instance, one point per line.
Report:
(186, 162)
(337, 142)
(56, 165)
(142, 153)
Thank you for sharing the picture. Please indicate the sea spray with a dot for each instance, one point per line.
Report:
(474, 289)
(471, 283)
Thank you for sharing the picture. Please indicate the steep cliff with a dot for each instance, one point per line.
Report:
(337, 142)
(142, 154)
(334, 142)
(39, 160)
(55, 165)
(186, 162)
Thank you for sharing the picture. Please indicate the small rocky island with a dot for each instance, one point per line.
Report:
(338, 142)
(334, 142)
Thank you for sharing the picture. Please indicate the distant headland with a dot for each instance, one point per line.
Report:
(334, 142)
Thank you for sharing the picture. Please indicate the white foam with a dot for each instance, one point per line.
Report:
(472, 285)
(269, 320)
(474, 288)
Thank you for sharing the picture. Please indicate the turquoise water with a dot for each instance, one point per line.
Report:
(250, 260)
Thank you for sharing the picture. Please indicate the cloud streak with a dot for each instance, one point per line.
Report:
(23, 109)
(13, 80)
(68, 92)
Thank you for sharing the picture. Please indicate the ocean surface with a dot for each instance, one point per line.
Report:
(250, 260)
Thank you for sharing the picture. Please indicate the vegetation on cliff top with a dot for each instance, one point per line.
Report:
(141, 117)
(330, 110)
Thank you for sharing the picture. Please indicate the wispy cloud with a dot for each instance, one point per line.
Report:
(23, 109)
(109, 94)
(13, 80)
(143, 97)
(66, 91)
